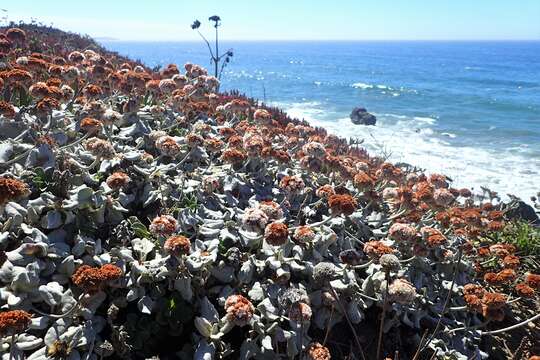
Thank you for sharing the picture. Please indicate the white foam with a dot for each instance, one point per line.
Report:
(362, 86)
(412, 140)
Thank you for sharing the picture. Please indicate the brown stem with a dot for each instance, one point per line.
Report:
(356, 339)
(381, 328)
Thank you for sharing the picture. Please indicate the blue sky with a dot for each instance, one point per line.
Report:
(290, 19)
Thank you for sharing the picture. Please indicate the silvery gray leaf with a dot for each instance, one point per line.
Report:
(208, 311)
(145, 305)
(204, 351)
(6, 150)
(266, 343)
(355, 314)
(183, 285)
(27, 342)
(267, 310)
(52, 220)
(143, 247)
(245, 274)
(256, 293)
(40, 354)
(43, 157)
(39, 323)
(51, 293)
(203, 326)
(67, 266)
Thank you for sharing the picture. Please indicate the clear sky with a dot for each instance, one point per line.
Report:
(289, 19)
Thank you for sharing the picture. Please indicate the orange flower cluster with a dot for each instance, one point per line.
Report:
(92, 279)
(489, 304)
(14, 322)
(234, 157)
(276, 233)
(118, 180)
(177, 245)
(163, 225)
(317, 351)
(12, 189)
(239, 310)
(432, 236)
(342, 204)
(292, 184)
(375, 249)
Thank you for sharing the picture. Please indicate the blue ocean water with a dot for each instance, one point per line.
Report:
(470, 110)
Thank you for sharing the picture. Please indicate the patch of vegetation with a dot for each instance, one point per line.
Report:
(524, 236)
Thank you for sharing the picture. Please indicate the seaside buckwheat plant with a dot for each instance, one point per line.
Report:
(144, 214)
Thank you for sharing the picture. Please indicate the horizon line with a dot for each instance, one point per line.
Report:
(105, 38)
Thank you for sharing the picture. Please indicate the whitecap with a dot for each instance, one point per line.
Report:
(363, 86)
(450, 135)
(412, 140)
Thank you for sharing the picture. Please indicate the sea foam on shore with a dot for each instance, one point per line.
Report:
(414, 141)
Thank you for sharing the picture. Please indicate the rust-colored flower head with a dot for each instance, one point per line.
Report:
(432, 236)
(292, 184)
(402, 292)
(46, 105)
(492, 306)
(363, 181)
(177, 245)
(12, 189)
(163, 225)
(168, 146)
(14, 322)
(314, 149)
(253, 144)
(443, 197)
(234, 157)
(317, 351)
(524, 290)
(300, 312)
(167, 86)
(91, 125)
(303, 235)
(194, 140)
(7, 110)
(76, 57)
(402, 232)
(438, 181)
(374, 249)
(276, 233)
(118, 180)
(342, 204)
(100, 148)
(325, 191)
(262, 115)
(254, 219)
(272, 209)
(213, 145)
(39, 90)
(239, 310)
(91, 279)
(533, 280)
(502, 250)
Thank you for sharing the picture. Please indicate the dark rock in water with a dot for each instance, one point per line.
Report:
(360, 116)
(524, 212)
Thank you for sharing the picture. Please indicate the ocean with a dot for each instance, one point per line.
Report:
(469, 110)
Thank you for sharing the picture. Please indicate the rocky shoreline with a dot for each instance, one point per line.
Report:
(144, 214)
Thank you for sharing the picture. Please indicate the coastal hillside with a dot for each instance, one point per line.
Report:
(146, 214)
